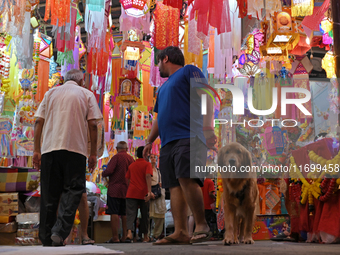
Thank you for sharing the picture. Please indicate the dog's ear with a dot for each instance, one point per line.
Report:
(220, 157)
(248, 159)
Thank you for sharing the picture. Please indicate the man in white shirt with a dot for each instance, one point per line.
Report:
(63, 119)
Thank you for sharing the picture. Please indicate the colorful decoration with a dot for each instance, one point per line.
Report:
(281, 36)
(129, 92)
(302, 8)
(316, 186)
(135, 8)
(27, 78)
(274, 140)
(328, 64)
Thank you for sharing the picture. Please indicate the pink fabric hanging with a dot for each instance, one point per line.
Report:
(214, 13)
(174, 3)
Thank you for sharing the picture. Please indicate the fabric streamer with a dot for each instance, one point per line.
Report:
(166, 31)
(216, 15)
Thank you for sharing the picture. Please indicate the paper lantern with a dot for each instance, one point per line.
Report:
(328, 63)
(129, 91)
(46, 47)
(135, 8)
(281, 35)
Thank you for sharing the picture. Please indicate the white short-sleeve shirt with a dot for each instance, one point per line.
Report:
(66, 110)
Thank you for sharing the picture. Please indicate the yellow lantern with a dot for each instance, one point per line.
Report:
(328, 63)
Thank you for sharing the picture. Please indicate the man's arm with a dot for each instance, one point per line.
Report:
(148, 184)
(38, 126)
(110, 167)
(208, 126)
(93, 137)
(212, 194)
(152, 137)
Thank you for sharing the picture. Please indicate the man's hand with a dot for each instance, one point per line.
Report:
(147, 151)
(36, 160)
(92, 163)
(210, 138)
(148, 197)
(152, 196)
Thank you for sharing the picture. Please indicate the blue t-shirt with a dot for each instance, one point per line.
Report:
(179, 106)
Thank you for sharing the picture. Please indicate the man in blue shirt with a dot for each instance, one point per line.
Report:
(184, 132)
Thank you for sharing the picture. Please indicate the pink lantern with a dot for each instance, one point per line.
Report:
(135, 8)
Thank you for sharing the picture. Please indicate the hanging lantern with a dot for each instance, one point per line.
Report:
(46, 47)
(281, 35)
(328, 63)
(129, 91)
(135, 8)
(131, 54)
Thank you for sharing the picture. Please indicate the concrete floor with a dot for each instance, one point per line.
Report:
(216, 247)
(260, 247)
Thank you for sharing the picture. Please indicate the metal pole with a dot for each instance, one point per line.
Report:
(336, 34)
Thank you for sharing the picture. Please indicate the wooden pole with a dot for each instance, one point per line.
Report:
(336, 34)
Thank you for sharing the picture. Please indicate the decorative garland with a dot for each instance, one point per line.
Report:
(316, 187)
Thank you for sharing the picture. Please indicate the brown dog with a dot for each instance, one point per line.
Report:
(240, 193)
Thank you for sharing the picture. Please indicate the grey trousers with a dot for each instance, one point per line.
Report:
(131, 214)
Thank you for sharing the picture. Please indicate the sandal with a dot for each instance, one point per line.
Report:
(171, 241)
(87, 241)
(110, 241)
(207, 237)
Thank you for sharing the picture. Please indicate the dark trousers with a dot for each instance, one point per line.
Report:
(62, 183)
(131, 214)
(210, 217)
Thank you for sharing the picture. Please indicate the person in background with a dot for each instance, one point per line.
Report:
(138, 194)
(209, 198)
(117, 188)
(63, 119)
(157, 206)
(84, 215)
(185, 137)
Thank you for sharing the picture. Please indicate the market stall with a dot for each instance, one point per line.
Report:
(271, 51)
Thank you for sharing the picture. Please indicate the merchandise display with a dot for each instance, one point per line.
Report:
(270, 69)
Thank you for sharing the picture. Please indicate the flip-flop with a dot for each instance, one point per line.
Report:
(207, 237)
(87, 241)
(171, 241)
(110, 241)
(127, 240)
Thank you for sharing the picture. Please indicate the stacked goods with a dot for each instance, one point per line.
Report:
(8, 210)
(8, 204)
(28, 229)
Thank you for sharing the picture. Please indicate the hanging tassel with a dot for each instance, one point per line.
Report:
(26, 30)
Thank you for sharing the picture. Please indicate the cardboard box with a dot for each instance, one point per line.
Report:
(8, 227)
(102, 231)
(8, 198)
(7, 238)
(6, 219)
(9, 210)
(268, 226)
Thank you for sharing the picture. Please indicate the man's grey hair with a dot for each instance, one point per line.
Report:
(74, 75)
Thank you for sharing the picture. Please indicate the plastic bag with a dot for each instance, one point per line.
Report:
(32, 204)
